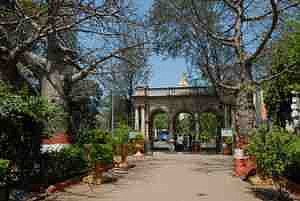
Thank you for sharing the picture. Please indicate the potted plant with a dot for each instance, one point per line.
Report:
(227, 145)
(101, 158)
(121, 139)
(139, 143)
(4, 189)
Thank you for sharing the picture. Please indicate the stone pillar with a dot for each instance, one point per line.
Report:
(171, 125)
(142, 129)
(197, 126)
(136, 119)
(147, 126)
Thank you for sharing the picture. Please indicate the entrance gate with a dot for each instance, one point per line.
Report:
(175, 100)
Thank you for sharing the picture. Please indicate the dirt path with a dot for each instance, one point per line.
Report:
(170, 177)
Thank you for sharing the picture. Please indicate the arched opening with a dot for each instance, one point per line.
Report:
(209, 135)
(159, 130)
(184, 131)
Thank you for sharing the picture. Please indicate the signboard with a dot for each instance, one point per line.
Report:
(227, 132)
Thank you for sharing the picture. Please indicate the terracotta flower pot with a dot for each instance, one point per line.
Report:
(227, 150)
(196, 147)
(139, 144)
(124, 153)
(97, 173)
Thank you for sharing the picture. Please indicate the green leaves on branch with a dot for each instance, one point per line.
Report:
(16, 105)
(91, 136)
(285, 58)
(101, 153)
(121, 134)
(208, 126)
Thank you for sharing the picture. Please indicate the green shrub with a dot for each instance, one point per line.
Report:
(139, 136)
(23, 118)
(205, 136)
(66, 163)
(209, 123)
(4, 168)
(91, 136)
(121, 134)
(271, 150)
(293, 152)
(102, 153)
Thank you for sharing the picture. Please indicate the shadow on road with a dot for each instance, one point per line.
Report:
(215, 165)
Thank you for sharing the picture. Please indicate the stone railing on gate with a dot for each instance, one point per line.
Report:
(173, 91)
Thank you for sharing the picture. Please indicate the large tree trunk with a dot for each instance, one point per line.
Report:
(56, 84)
(244, 117)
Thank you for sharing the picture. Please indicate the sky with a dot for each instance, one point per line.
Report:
(166, 72)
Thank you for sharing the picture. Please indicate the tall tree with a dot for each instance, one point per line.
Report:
(61, 42)
(224, 38)
(278, 92)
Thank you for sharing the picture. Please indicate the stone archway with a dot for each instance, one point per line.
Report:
(194, 100)
(152, 116)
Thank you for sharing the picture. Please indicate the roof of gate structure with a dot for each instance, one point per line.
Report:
(174, 100)
(173, 91)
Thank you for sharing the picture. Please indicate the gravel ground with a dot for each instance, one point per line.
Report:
(170, 177)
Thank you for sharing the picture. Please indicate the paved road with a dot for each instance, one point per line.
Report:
(170, 177)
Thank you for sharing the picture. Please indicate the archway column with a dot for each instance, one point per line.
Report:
(143, 120)
(136, 119)
(171, 124)
(197, 126)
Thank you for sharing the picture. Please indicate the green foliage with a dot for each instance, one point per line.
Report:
(66, 163)
(228, 141)
(185, 125)
(293, 151)
(4, 168)
(139, 136)
(277, 92)
(25, 118)
(100, 145)
(14, 105)
(208, 126)
(205, 136)
(161, 121)
(101, 153)
(208, 122)
(271, 149)
(91, 136)
(121, 134)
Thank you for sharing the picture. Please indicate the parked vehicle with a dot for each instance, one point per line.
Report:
(163, 142)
